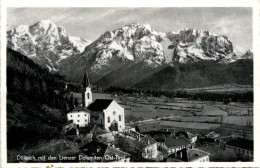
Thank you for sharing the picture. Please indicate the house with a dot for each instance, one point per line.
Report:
(147, 127)
(96, 151)
(80, 116)
(189, 155)
(244, 147)
(149, 147)
(146, 143)
(192, 138)
(106, 113)
(173, 145)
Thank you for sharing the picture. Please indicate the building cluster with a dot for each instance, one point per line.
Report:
(156, 143)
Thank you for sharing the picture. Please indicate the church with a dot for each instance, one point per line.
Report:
(106, 113)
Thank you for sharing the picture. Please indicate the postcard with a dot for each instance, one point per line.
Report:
(127, 84)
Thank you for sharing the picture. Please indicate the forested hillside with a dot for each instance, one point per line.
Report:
(199, 74)
(31, 115)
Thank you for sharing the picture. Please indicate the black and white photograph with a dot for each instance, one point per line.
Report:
(129, 84)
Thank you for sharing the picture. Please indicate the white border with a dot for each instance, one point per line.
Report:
(255, 4)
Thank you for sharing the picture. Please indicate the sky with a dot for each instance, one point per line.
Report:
(91, 23)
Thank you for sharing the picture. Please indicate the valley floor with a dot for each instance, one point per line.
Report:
(197, 117)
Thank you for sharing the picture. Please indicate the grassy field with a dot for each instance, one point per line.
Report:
(200, 119)
(184, 113)
(224, 88)
(197, 125)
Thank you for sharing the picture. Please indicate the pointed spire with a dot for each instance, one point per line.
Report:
(86, 82)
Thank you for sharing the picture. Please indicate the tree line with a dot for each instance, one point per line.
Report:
(234, 96)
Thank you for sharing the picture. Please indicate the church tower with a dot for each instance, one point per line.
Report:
(88, 93)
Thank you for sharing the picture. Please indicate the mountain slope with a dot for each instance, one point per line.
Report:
(199, 74)
(45, 43)
(30, 88)
(132, 44)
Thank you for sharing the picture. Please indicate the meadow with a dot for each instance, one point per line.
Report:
(182, 113)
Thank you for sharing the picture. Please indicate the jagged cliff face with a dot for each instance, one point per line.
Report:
(45, 43)
(191, 45)
(50, 46)
(136, 43)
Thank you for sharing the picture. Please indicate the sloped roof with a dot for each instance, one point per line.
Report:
(242, 143)
(194, 154)
(114, 152)
(190, 135)
(79, 108)
(172, 142)
(147, 127)
(185, 134)
(212, 135)
(188, 155)
(90, 149)
(147, 140)
(99, 104)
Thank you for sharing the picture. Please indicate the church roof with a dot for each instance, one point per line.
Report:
(86, 82)
(99, 104)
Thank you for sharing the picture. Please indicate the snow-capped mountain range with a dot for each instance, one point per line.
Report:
(131, 45)
(193, 45)
(45, 43)
(136, 42)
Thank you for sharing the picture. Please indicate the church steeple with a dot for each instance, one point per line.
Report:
(86, 82)
(88, 92)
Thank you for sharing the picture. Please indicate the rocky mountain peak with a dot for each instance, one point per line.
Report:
(45, 42)
(135, 42)
(193, 45)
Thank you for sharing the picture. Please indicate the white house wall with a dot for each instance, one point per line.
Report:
(80, 118)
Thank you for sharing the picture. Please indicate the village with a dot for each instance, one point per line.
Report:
(122, 129)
